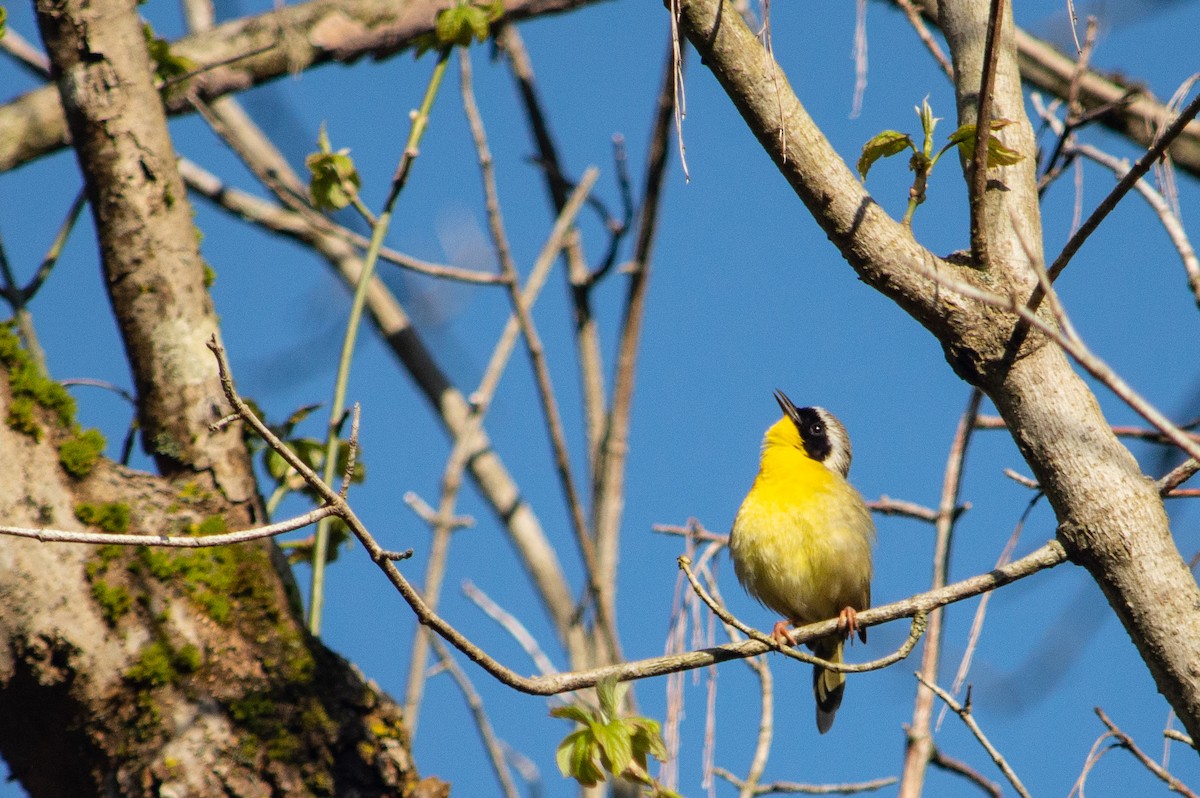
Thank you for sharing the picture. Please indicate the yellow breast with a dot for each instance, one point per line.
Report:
(801, 542)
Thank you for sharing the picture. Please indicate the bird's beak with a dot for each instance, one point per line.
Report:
(786, 405)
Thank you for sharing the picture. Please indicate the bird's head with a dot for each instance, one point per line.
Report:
(814, 431)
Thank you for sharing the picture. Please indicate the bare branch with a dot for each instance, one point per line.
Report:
(460, 454)
(511, 624)
(977, 174)
(1163, 140)
(1178, 736)
(964, 712)
(491, 743)
(1126, 742)
(952, 765)
(922, 30)
(599, 588)
(919, 746)
(172, 541)
(794, 788)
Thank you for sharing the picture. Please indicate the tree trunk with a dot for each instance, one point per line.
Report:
(148, 671)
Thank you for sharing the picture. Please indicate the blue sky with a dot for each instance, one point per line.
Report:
(746, 296)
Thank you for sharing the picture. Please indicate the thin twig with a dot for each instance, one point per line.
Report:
(692, 530)
(766, 690)
(1126, 742)
(922, 30)
(587, 337)
(608, 487)
(1093, 758)
(1167, 215)
(1120, 430)
(795, 788)
(464, 444)
(358, 303)
(1170, 221)
(25, 53)
(1073, 347)
(976, 632)
(919, 738)
(916, 630)
(487, 735)
(964, 712)
(310, 227)
(957, 766)
(1143, 164)
(511, 624)
(599, 587)
(172, 541)
(983, 133)
(1178, 736)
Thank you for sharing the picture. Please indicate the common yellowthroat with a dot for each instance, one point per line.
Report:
(801, 541)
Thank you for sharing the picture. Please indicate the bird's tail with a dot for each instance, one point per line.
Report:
(828, 685)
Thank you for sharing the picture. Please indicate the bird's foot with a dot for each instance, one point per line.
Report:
(781, 635)
(848, 624)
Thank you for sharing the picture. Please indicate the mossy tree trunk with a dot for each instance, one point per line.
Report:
(143, 671)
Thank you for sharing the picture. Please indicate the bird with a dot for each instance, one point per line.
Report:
(801, 541)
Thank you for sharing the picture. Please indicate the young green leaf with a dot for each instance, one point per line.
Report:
(3, 17)
(461, 23)
(615, 743)
(572, 712)
(334, 180)
(928, 120)
(882, 145)
(578, 758)
(998, 153)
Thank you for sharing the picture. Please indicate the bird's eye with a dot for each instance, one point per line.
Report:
(817, 428)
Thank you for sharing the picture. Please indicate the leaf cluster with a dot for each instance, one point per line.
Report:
(893, 142)
(607, 744)
(334, 181)
(462, 23)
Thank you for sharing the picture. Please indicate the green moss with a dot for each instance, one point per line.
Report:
(212, 525)
(21, 418)
(154, 666)
(79, 453)
(192, 493)
(210, 274)
(114, 600)
(188, 659)
(29, 387)
(149, 717)
(259, 714)
(389, 729)
(211, 577)
(109, 516)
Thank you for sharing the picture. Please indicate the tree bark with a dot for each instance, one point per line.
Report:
(149, 248)
(148, 672)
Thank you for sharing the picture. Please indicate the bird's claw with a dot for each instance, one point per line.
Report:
(781, 635)
(848, 624)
